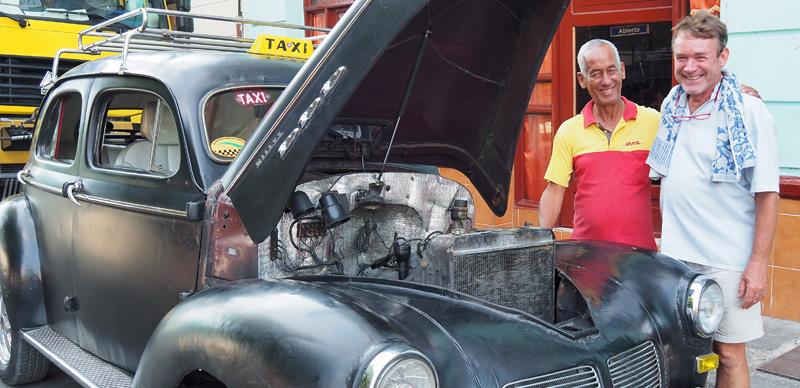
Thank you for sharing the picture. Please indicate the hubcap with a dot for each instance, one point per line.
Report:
(5, 334)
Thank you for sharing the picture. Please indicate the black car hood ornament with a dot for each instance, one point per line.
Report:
(465, 112)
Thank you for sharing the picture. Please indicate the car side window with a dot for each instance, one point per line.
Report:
(58, 139)
(138, 132)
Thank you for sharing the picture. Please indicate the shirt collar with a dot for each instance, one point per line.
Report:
(629, 113)
(683, 100)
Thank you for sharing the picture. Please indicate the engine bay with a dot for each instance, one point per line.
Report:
(414, 227)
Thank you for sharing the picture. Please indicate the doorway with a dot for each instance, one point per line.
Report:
(644, 48)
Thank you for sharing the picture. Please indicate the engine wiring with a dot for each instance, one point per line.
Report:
(308, 245)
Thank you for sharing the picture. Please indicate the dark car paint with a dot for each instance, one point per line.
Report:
(440, 110)
(52, 214)
(468, 340)
(654, 282)
(20, 266)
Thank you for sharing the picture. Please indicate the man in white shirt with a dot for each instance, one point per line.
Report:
(716, 156)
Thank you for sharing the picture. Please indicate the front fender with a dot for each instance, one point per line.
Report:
(20, 269)
(272, 333)
(655, 282)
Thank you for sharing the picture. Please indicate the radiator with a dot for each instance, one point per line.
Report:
(509, 267)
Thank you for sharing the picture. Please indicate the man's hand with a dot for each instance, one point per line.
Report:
(750, 90)
(753, 286)
(754, 279)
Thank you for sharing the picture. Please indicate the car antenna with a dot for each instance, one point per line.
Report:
(406, 96)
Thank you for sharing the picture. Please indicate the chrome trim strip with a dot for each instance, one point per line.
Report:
(639, 366)
(42, 186)
(290, 106)
(132, 206)
(579, 376)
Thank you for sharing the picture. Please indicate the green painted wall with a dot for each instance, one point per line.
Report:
(764, 41)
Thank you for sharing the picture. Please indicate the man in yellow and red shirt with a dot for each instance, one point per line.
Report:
(603, 151)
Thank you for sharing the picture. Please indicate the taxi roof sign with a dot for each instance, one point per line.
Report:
(282, 46)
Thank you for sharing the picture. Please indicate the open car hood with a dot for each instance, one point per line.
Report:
(467, 68)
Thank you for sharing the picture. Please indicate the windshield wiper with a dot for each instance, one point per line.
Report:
(17, 18)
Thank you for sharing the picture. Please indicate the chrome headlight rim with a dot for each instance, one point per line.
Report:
(697, 287)
(383, 362)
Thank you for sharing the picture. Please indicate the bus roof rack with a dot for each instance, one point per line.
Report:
(145, 37)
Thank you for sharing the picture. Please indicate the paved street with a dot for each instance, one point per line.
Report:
(57, 379)
(781, 337)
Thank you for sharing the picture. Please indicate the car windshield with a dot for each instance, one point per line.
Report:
(231, 116)
(78, 10)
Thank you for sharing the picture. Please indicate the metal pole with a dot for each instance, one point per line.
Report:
(406, 95)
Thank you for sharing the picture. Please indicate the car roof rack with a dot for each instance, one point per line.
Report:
(146, 37)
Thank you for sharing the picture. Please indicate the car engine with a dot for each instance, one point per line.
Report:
(412, 227)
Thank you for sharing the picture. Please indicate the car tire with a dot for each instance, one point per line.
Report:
(20, 363)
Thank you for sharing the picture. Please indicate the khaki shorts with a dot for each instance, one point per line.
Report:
(738, 325)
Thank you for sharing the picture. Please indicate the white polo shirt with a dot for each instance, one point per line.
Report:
(707, 222)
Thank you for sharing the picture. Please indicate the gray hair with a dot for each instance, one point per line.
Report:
(590, 45)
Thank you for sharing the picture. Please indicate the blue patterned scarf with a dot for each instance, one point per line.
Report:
(734, 151)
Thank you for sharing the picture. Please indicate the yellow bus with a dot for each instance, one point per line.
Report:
(31, 32)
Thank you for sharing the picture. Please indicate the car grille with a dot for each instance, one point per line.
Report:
(582, 376)
(8, 179)
(638, 367)
(20, 78)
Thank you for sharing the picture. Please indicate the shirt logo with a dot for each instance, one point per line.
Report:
(632, 143)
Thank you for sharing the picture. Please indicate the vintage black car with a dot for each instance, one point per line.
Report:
(205, 218)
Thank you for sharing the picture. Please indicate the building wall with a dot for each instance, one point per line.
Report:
(228, 8)
(764, 40)
(284, 11)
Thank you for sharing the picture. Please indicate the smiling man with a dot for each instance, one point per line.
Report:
(716, 155)
(602, 151)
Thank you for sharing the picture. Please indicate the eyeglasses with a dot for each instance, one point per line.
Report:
(701, 116)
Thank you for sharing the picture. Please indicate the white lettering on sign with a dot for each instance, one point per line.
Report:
(637, 29)
(253, 98)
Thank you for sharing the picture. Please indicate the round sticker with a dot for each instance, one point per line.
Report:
(227, 147)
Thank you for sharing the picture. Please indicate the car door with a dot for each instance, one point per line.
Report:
(136, 250)
(50, 173)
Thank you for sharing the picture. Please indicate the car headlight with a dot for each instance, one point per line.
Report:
(704, 305)
(399, 366)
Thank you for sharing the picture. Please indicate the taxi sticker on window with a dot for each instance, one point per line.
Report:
(253, 97)
(281, 46)
(227, 147)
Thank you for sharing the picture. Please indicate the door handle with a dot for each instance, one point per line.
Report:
(22, 175)
(70, 188)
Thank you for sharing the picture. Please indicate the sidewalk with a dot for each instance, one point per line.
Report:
(781, 336)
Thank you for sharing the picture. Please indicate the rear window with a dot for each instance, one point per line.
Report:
(231, 116)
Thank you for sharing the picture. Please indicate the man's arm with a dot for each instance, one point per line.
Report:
(550, 205)
(753, 286)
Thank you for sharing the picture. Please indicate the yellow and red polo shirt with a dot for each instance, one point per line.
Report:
(612, 196)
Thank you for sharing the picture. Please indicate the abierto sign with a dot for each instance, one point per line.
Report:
(635, 29)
